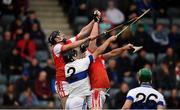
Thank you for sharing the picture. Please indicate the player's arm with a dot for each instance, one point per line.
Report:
(129, 99)
(116, 52)
(87, 29)
(102, 48)
(127, 104)
(160, 107)
(161, 104)
(74, 44)
(92, 44)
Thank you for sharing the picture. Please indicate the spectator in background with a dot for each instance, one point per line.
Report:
(9, 98)
(173, 102)
(120, 97)
(14, 62)
(42, 87)
(165, 77)
(105, 24)
(18, 23)
(22, 83)
(130, 79)
(160, 7)
(28, 98)
(132, 11)
(170, 58)
(38, 36)
(22, 6)
(177, 72)
(34, 69)
(125, 37)
(18, 34)
(142, 38)
(82, 9)
(140, 60)
(6, 44)
(70, 7)
(50, 69)
(8, 12)
(5, 49)
(124, 63)
(174, 38)
(160, 39)
(7, 7)
(31, 18)
(143, 5)
(112, 73)
(114, 15)
(27, 47)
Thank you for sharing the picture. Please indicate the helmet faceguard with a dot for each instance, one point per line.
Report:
(56, 34)
(83, 47)
(69, 55)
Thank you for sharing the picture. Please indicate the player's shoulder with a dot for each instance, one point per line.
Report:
(57, 45)
(157, 92)
(134, 90)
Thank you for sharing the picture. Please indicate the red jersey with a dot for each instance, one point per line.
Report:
(58, 59)
(98, 75)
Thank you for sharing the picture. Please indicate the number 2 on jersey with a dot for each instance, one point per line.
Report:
(71, 71)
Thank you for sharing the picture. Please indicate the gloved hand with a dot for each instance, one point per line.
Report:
(97, 16)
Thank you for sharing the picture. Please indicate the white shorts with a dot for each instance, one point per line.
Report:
(76, 103)
(62, 88)
(97, 99)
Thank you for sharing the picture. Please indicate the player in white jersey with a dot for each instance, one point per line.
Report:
(76, 72)
(144, 97)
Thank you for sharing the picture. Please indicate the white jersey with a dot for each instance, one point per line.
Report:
(77, 76)
(145, 97)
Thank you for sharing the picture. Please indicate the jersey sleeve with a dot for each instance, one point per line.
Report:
(73, 39)
(130, 95)
(161, 101)
(57, 49)
(86, 61)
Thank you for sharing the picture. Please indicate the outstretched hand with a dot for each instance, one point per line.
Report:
(128, 46)
(97, 16)
(98, 13)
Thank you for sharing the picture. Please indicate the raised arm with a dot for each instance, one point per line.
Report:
(160, 107)
(116, 52)
(94, 33)
(74, 44)
(102, 48)
(87, 29)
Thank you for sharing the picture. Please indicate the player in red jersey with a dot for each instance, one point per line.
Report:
(59, 44)
(97, 72)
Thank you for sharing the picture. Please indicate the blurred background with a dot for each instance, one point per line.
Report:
(27, 72)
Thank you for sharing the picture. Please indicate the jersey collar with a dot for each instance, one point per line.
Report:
(148, 85)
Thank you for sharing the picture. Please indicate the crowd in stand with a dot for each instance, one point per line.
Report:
(25, 75)
(27, 71)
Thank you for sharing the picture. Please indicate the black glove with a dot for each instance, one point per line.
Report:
(96, 18)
